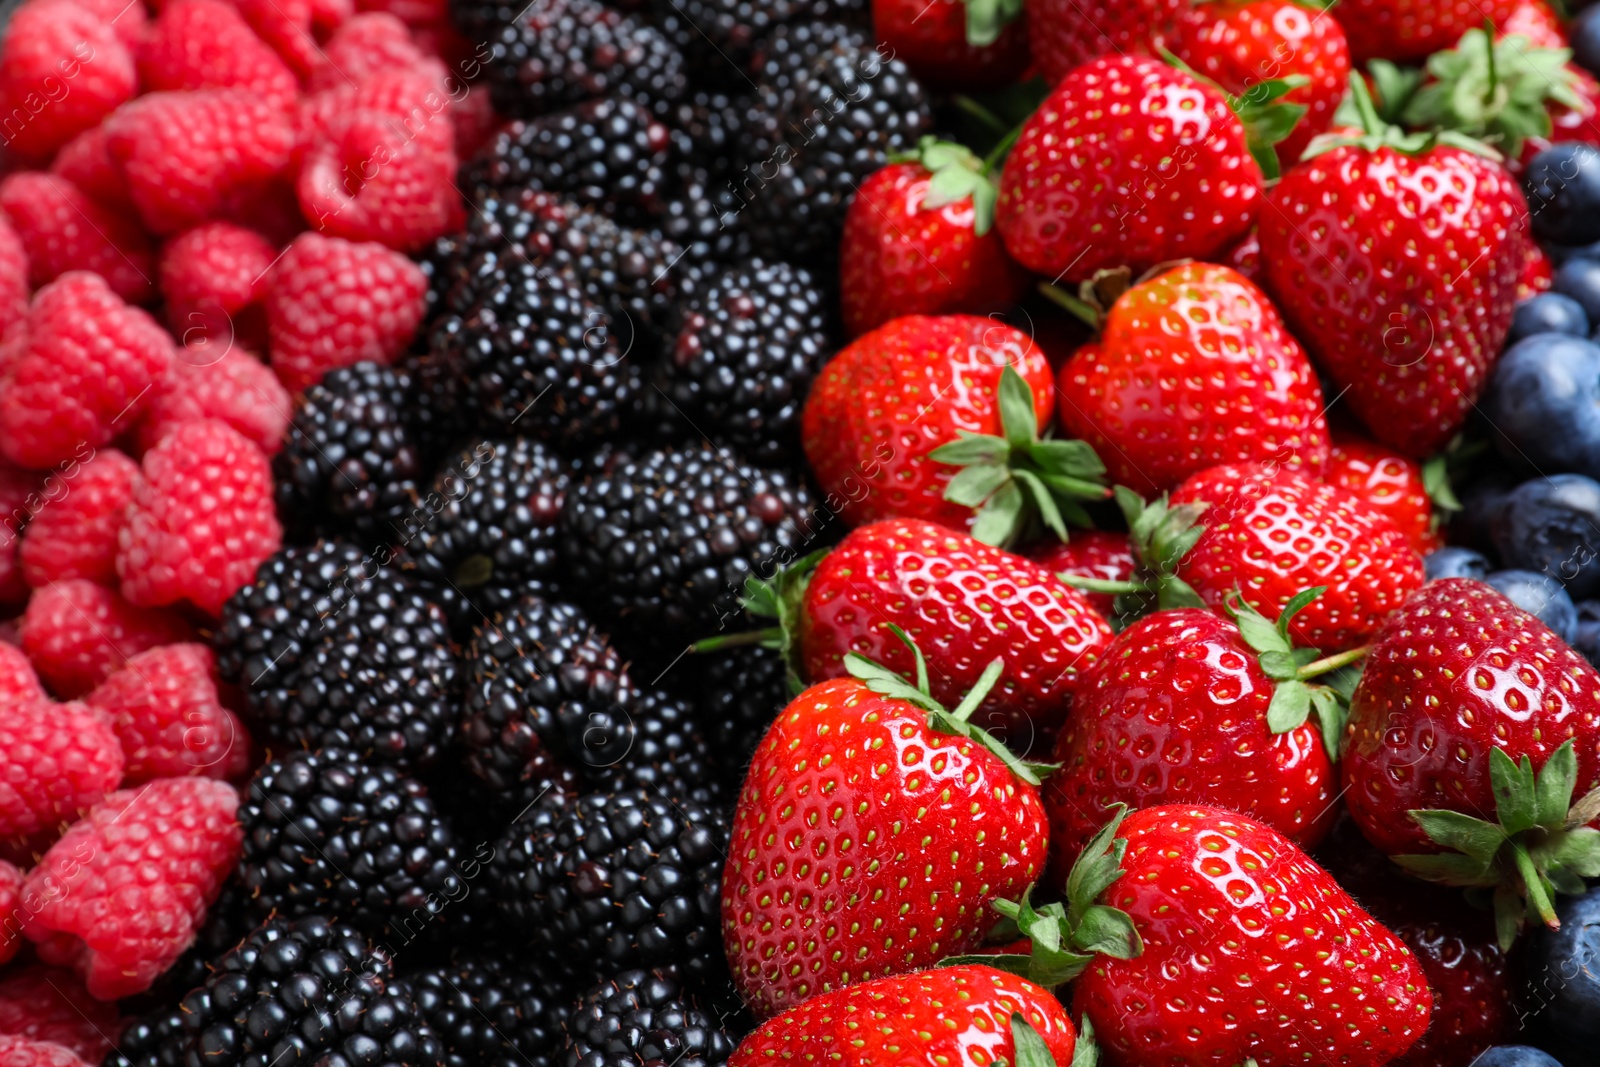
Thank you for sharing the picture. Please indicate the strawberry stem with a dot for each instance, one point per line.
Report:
(1533, 885)
(1330, 663)
(771, 637)
(1079, 309)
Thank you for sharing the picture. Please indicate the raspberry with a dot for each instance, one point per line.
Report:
(236, 387)
(127, 20)
(50, 1004)
(19, 496)
(207, 44)
(62, 70)
(213, 278)
(128, 885)
(86, 162)
(10, 923)
(184, 155)
(164, 708)
(201, 520)
(328, 15)
(366, 45)
(18, 683)
(475, 120)
(76, 633)
(20, 1052)
(14, 289)
(413, 95)
(64, 229)
(418, 13)
(285, 25)
(57, 760)
(74, 534)
(87, 362)
(333, 302)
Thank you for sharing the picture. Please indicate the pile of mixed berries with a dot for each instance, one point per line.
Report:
(682, 533)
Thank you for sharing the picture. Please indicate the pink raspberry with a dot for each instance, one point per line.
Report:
(64, 229)
(334, 302)
(14, 288)
(127, 21)
(56, 761)
(207, 44)
(285, 25)
(62, 70)
(411, 12)
(164, 708)
(366, 45)
(74, 533)
(42, 1003)
(236, 387)
(414, 95)
(11, 923)
(213, 278)
(86, 162)
(76, 633)
(328, 15)
(201, 521)
(18, 684)
(87, 362)
(19, 496)
(20, 1052)
(128, 885)
(184, 155)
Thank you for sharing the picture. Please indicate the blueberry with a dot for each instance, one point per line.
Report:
(1561, 989)
(1540, 596)
(1585, 37)
(1552, 525)
(1482, 500)
(1548, 313)
(1579, 278)
(1514, 1056)
(1453, 562)
(1544, 399)
(1587, 640)
(1563, 187)
(1559, 253)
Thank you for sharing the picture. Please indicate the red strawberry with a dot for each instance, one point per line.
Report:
(1389, 483)
(948, 1017)
(1538, 273)
(1410, 29)
(1128, 162)
(892, 416)
(955, 44)
(1398, 267)
(864, 786)
(1462, 696)
(918, 241)
(1538, 22)
(1239, 44)
(1191, 369)
(1101, 554)
(1064, 34)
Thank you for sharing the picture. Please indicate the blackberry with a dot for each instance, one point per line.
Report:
(782, 58)
(646, 1017)
(737, 693)
(610, 881)
(487, 1013)
(326, 834)
(610, 153)
(704, 217)
(744, 356)
(665, 540)
(227, 921)
(436, 418)
(715, 33)
(155, 1039)
(532, 353)
(848, 113)
(564, 52)
(664, 752)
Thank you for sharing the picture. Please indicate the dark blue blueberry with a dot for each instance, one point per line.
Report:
(1548, 313)
(1587, 640)
(1515, 1056)
(1453, 562)
(1579, 278)
(1563, 187)
(1540, 596)
(1544, 400)
(1584, 34)
(1561, 988)
(1560, 253)
(1552, 525)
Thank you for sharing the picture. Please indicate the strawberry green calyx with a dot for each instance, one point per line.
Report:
(1375, 133)
(957, 174)
(1066, 937)
(1031, 1051)
(1161, 535)
(779, 598)
(1541, 845)
(957, 721)
(986, 18)
(1266, 117)
(1018, 476)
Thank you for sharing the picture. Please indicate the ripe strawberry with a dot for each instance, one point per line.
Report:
(918, 241)
(1398, 266)
(1462, 695)
(1193, 368)
(937, 1018)
(1538, 22)
(1538, 273)
(891, 417)
(1102, 554)
(1063, 34)
(955, 44)
(1389, 483)
(828, 833)
(1128, 162)
(1411, 29)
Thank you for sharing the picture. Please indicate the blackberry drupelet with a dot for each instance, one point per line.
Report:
(489, 1013)
(349, 461)
(716, 33)
(666, 753)
(610, 153)
(533, 353)
(154, 1039)
(704, 217)
(744, 357)
(665, 540)
(325, 834)
(781, 59)
(611, 881)
(647, 1017)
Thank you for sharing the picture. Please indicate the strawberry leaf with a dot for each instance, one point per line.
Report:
(1108, 931)
(956, 174)
(1436, 483)
(1031, 1051)
(1471, 837)
(1515, 793)
(1552, 792)
(1290, 707)
(780, 598)
(1333, 712)
(1495, 91)
(1584, 811)
(1000, 518)
(986, 18)
(1450, 868)
(1086, 1053)
(973, 485)
(973, 449)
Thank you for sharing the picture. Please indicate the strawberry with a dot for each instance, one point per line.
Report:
(955, 44)
(1538, 273)
(1538, 22)
(861, 787)
(1410, 29)
(1102, 554)
(1128, 162)
(1239, 44)
(1064, 34)
(1463, 694)
(1192, 368)
(940, 1018)
(1389, 483)
(1191, 707)
(1395, 258)
(890, 418)
(918, 240)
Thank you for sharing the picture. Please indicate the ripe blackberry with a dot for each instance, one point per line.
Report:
(611, 881)
(646, 1017)
(349, 461)
(714, 33)
(436, 417)
(228, 920)
(610, 153)
(744, 356)
(564, 52)
(662, 750)
(532, 353)
(781, 59)
(848, 113)
(155, 1039)
(705, 217)
(665, 540)
(325, 834)
(737, 693)
(489, 1013)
